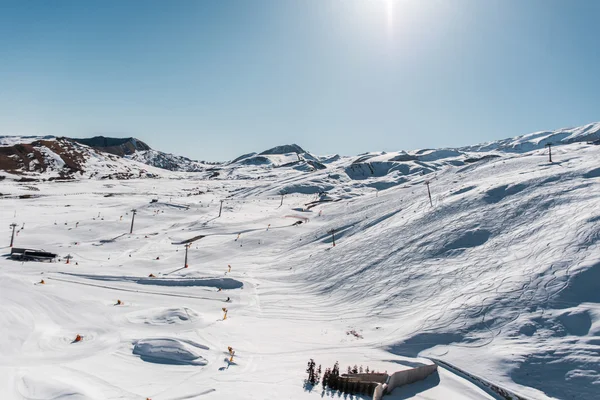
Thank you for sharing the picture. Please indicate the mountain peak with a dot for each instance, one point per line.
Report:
(284, 149)
(118, 146)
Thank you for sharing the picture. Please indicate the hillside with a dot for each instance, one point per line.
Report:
(61, 158)
(49, 157)
(117, 146)
(538, 140)
(496, 275)
(135, 149)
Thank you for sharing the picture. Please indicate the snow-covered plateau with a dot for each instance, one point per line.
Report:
(497, 273)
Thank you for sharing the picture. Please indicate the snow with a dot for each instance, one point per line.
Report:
(13, 140)
(164, 316)
(537, 140)
(499, 277)
(444, 385)
(170, 351)
(167, 161)
(53, 160)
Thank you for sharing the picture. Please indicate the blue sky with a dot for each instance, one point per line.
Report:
(214, 79)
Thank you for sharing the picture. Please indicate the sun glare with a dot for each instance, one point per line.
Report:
(390, 14)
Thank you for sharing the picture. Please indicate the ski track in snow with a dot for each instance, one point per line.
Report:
(499, 277)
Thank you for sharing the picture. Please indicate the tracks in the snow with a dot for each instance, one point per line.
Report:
(133, 290)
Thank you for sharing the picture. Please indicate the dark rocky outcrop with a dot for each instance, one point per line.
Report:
(284, 149)
(117, 146)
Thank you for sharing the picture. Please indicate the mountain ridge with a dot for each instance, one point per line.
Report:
(66, 158)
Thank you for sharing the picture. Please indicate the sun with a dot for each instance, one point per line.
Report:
(390, 14)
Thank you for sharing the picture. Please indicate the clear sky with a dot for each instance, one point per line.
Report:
(212, 79)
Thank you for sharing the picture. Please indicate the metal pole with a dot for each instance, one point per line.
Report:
(132, 219)
(429, 193)
(281, 200)
(333, 236)
(187, 246)
(220, 209)
(12, 238)
(549, 145)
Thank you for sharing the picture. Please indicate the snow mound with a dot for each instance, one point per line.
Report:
(170, 351)
(164, 316)
(41, 387)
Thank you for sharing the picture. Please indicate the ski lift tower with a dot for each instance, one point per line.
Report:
(12, 238)
(549, 146)
(429, 192)
(132, 219)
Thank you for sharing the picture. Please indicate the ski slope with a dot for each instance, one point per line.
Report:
(499, 278)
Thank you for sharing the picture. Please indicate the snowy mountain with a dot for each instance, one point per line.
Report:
(135, 149)
(284, 149)
(485, 261)
(49, 158)
(538, 140)
(66, 158)
(168, 161)
(117, 146)
(281, 156)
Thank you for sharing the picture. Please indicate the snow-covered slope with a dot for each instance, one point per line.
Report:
(500, 274)
(135, 149)
(284, 149)
(290, 155)
(393, 168)
(497, 276)
(167, 161)
(537, 140)
(117, 146)
(307, 173)
(14, 140)
(62, 158)
(49, 157)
